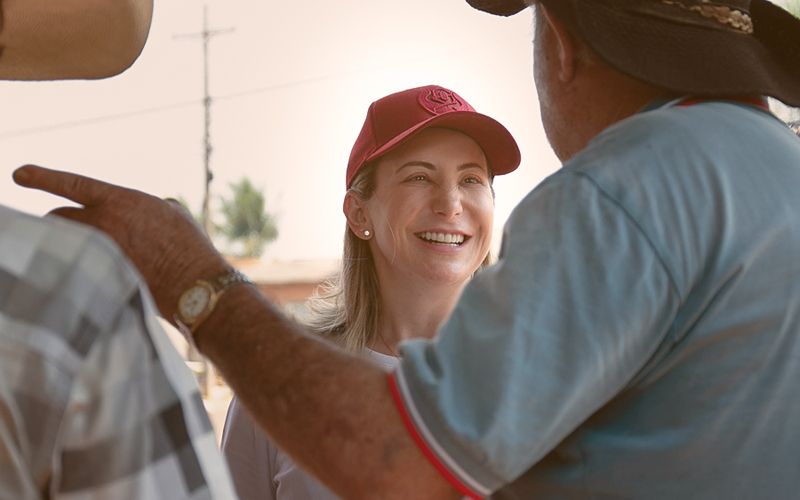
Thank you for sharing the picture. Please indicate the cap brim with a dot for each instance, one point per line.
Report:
(501, 150)
(688, 58)
(499, 7)
(44, 40)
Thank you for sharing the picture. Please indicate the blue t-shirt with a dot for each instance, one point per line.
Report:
(640, 335)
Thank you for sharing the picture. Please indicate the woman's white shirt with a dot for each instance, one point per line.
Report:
(260, 470)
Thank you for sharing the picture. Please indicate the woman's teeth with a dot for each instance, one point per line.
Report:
(445, 238)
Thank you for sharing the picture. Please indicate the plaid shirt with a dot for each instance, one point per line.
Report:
(94, 400)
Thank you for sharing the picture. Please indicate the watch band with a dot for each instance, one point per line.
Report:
(223, 281)
(218, 285)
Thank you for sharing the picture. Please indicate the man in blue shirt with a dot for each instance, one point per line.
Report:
(640, 335)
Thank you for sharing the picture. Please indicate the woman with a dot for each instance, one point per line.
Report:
(419, 207)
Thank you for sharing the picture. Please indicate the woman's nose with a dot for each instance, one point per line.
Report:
(448, 201)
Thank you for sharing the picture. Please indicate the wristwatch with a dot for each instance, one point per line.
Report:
(197, 302)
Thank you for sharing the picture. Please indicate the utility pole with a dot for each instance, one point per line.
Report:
(198, 364)
(206, 35)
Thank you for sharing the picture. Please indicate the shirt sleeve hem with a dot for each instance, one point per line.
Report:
(413, 426)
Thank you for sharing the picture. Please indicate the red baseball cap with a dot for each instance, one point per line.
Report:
(395, 118)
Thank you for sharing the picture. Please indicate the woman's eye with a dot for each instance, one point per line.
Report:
(473, 180)
(417, 177)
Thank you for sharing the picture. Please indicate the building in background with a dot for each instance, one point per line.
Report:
(288, 283)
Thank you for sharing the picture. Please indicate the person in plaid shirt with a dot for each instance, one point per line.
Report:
(94, 400)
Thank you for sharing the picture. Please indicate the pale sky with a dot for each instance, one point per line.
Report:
(292, 85)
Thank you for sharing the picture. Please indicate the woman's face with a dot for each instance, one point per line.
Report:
(432, 209)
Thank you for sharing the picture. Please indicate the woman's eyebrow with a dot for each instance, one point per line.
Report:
(416, 163)
(468, 166)
(431, 166)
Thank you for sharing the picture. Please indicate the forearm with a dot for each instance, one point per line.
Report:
(46, 39)
(332, 411)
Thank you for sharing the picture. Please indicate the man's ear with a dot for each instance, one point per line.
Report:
(357, 215)
(565, 43)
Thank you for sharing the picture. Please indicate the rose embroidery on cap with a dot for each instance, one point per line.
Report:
(439, 100)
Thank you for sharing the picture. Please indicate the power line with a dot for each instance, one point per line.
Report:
(157, 109)
(97, 119)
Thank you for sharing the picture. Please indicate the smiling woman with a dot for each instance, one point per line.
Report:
(431, 210)
(43, 39)
(419, 207)
(356, 309)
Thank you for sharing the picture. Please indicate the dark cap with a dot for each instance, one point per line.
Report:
(725, 47)
(499, 7)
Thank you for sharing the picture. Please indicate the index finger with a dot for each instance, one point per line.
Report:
(78, 188)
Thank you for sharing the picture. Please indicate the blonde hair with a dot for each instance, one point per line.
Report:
(346, 308)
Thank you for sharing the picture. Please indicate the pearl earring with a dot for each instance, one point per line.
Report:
(367, 233)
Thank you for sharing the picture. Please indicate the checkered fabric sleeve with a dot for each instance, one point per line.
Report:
(94, 400)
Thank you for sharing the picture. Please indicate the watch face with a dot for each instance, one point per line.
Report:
(194, 302)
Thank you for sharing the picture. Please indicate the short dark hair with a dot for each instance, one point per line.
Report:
(562, 10)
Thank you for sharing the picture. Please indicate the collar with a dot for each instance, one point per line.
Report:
(758, 102)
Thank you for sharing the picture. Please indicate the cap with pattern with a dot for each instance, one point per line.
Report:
(724, 47)
(394, 119)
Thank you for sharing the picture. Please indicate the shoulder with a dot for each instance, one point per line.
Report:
(673, 150)
(33, 247)
(653, 138)
(639, 141)
(62, 278)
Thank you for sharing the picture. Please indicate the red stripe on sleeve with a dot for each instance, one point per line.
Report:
(423, 446)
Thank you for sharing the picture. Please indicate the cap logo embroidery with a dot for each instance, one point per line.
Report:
(439, 100)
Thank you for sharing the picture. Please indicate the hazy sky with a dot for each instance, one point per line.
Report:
(292, 85)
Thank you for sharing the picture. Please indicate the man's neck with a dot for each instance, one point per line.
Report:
(599, 102)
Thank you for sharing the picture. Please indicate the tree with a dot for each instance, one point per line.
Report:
(246, 220)
(185, 204)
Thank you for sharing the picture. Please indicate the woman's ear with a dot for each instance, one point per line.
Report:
(358, 219)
